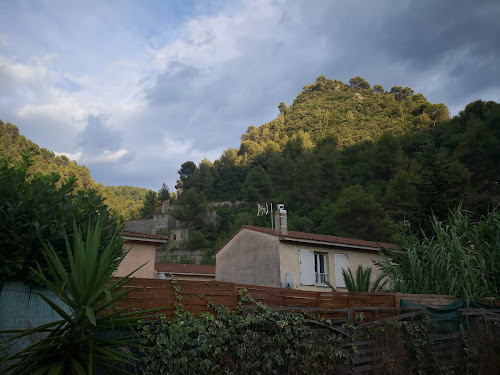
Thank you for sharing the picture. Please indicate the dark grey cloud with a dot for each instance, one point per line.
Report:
(224, 67)
(97, 137)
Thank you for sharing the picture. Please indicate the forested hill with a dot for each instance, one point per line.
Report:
(353, 112)
(354, 160)
(127, 200)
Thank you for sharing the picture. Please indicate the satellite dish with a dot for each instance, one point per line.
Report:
(288, 281)
(162, 276)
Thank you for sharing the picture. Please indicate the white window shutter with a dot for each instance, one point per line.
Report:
(341, 262)
(306, 267)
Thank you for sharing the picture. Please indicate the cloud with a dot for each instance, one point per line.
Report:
(98, 137)
(107, 157)
(137, 92)
(76, 156)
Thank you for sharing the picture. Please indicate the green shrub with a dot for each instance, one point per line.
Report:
(262, 342)
(80, 342)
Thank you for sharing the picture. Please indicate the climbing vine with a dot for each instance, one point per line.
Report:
(266, 341)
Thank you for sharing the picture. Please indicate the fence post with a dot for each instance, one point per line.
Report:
(235, 297)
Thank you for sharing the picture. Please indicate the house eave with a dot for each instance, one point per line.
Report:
(137, 239)
(328, 244)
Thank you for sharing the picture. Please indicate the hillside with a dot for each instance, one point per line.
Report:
(353, 160)
(353, 113)
(126, 200)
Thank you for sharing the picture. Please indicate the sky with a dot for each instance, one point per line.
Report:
(133, 89)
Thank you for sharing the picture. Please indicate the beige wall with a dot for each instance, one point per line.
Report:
(250, 258)
(140, 253)
(289, 257)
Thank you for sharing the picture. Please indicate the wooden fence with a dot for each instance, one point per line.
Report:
(157, 293)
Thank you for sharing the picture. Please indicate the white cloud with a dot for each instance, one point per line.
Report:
(76, 156)
(107, 157)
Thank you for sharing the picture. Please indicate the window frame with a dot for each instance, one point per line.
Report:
(311, 263)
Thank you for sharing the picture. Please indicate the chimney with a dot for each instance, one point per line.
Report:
(280, 220)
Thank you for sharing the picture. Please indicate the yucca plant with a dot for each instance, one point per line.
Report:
(362, 281)
(79, 342)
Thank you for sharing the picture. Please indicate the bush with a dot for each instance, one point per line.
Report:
(265, 342)
(37, 209)
(91, 335)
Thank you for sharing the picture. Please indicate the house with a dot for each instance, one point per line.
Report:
(142, 251)
(287, 259)
(198, 272)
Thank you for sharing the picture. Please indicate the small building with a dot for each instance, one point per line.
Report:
(142, 252)
(178, 237)
(176, 271)
(297, 260)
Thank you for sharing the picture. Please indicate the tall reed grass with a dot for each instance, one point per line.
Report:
(461, 258)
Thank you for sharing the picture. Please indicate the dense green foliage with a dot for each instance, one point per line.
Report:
(461, 258)
(80, 342)
(126, 200)
(361, 281)
(268, 341)
(356, 161)
(37, 209)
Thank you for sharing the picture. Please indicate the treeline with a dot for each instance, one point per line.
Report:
(351, 160)
(126, 200)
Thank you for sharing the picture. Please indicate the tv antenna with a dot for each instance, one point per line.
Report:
(262, 209)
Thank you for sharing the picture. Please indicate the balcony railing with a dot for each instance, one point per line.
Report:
(321, 278)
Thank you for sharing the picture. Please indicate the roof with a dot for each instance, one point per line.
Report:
(317, 239)
(192, 269)
(146, 237)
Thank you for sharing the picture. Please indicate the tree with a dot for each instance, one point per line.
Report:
(163, 193)
(401, 94)
(194, 205)
(202, 178)
(377, 89)
(358, 83)
(185, 174)
(37, 209)
(257, 186)
(385, 158)
(196, 240)
(328, 156)
(283, 108)
(401, 197)
(438, 113)
(150, 205)
(357, 215)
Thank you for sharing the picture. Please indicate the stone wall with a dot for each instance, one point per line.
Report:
(159, 221)
(197, 255)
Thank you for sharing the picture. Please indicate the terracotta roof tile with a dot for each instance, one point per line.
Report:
(317, 238)
(198, 269)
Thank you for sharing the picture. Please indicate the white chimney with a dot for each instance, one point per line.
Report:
(280, 220)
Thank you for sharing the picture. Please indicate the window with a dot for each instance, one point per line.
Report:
(341, 262)
(320, 268)
(313, 268)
